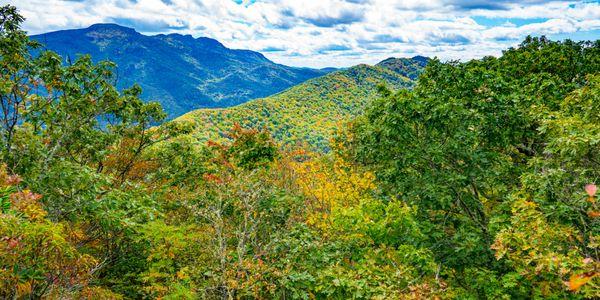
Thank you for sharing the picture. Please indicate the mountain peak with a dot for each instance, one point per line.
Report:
(180, 36)
(409, 67)
(420, 58)
(189, 39)
(210, 42)
(111, 27)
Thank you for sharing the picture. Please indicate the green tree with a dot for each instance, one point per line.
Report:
(73, 137)
(461, 144)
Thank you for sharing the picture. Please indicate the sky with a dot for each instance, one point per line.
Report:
(333, 33)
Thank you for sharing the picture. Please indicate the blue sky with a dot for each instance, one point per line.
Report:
(320, 33)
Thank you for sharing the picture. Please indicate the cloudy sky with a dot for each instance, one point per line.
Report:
(319, 33)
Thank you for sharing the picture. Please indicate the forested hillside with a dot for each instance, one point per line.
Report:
(480, 182)
(180, 72)
(308, 113)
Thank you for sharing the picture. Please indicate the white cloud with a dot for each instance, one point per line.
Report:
(331, 32)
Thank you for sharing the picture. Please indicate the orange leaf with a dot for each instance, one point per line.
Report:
(576, 281)
(593, 214)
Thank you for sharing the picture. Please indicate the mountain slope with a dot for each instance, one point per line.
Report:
(309, 112)
(181, 72)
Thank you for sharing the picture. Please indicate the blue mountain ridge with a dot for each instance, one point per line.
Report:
(181, 72)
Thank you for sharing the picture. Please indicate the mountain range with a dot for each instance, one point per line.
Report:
(201, 81)
(181, 72)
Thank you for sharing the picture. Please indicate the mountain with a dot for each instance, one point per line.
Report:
(181, 72)
(309, 112)
(409, 67)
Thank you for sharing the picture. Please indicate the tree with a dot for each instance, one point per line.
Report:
(61, 124)
(470, 136)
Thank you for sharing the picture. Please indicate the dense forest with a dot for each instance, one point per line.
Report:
(478, 183)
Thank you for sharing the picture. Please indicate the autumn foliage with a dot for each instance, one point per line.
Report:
(479, 183)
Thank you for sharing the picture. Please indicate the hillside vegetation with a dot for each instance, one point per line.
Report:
(480, 182)
(307, 113)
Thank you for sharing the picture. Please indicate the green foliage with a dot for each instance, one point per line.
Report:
(474, 138)
(251, 148)
(173, 249)
(60, 125)
(37, 256)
